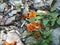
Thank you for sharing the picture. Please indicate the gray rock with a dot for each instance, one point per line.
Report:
(26, 8)
(2, 22)
(2, 6)
(13, 12)
(6, 11)
(23, 22)
(57, 4)
(6, 20)
(15, 37)
(21, 30)
(56, 36)
(9, 20)
(13, 31)
(40, 3)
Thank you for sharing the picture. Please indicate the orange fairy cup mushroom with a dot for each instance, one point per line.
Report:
(37, 35)
(33, 25)
(37, 25)
(13, 43)
(6, 43)
(30, 28)
(32, 14)
(24, 16)
(41, 11)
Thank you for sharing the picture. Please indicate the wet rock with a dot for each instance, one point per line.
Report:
(56, 36)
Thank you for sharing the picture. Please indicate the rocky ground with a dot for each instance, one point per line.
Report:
(11, 23)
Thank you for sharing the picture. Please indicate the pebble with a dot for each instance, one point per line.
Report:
(9, 20)
(2, 6)
(13, 12)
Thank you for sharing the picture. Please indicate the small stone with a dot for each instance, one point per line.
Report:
(21, 30)
(9, 20)
(13, 12)
(23, 24)
(2, 6)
